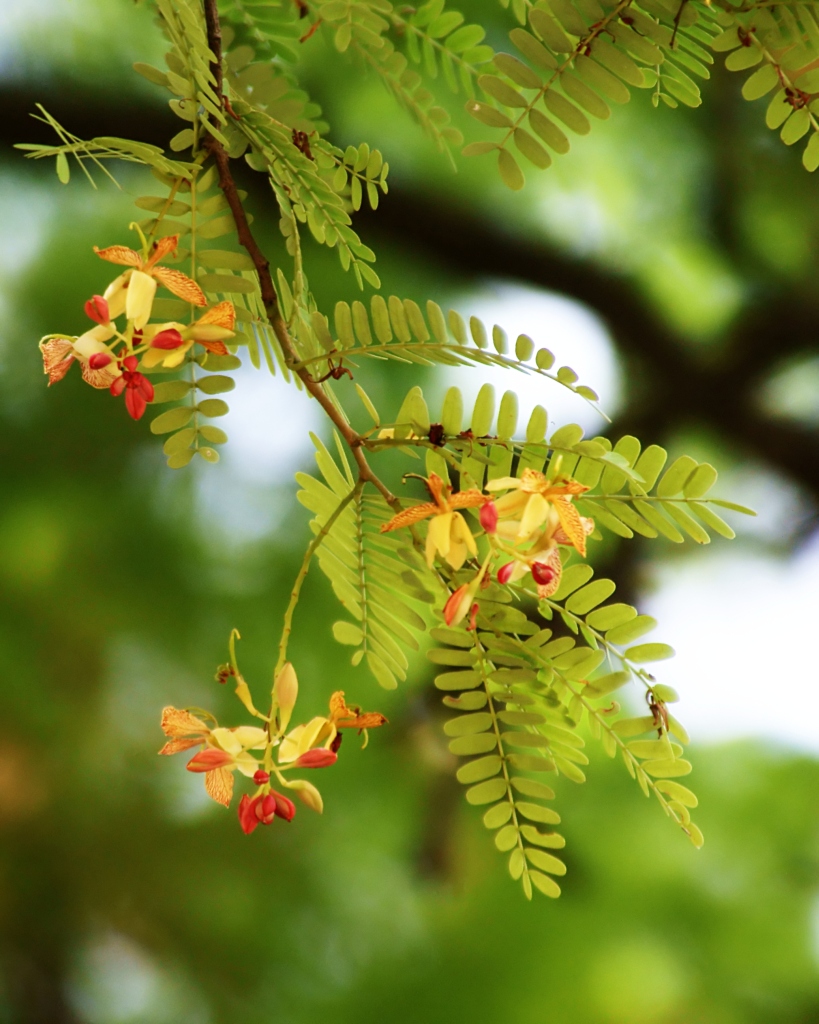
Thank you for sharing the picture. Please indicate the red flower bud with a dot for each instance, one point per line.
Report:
(266, 808)
(169, 339)
(489, 517)
(456, 606)
(97, 310)
(261, 777)
(542, 573)
(117, 387)
(134, 403)
(318, 758)
(473, 618)
(247, 814)
(130, 363)
(208, 759)
(505, 572)
(284, 808)
(98, 360)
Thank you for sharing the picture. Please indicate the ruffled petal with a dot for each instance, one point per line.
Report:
(57, 358)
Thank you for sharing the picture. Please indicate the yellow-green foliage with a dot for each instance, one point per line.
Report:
(531, 670)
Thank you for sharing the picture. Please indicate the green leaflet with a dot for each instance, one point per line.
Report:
(399, 330)
(360, 562)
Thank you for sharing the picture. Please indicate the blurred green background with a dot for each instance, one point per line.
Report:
(674, 252)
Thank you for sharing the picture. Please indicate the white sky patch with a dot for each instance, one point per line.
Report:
(268, 428)
(576, 337)
(742, 624)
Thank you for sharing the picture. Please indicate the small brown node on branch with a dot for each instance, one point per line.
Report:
(303, 9)
(301, 140)
(796, 97)
(745, 36)
(336, 372)
(436, 434)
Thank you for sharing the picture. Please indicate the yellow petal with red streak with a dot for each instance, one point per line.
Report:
(410, 516)
(222, 314)
(120, 254)
(468, 499)
(571, 523)
(176, 722)
(180, 744)
(162, 247)
(219, 785)
(180, 284)
(103, 378)
(57, 358)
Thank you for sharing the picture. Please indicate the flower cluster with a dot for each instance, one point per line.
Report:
(527, 525)
(264, 753)
(113, 356)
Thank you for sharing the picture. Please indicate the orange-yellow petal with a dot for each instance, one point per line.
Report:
(219, 785)
(571, 523)
(120, 254)
(218, 348)
(180, 743)
(468, 499)
(223, 314)
(162, 248)
(411, 515)
(176, 722)
(180, 284)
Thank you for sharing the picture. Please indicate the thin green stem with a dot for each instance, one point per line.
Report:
(302, 573)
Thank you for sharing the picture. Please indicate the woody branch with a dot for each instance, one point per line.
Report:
(262, 264)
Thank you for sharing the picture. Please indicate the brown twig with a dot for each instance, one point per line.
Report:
(262, 264)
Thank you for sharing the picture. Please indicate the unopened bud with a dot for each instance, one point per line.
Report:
(473, 618)
(457, 605)
(286, 692)
(318, 758)
(97, 310)
(208, 759)
(266, 809)
(261, 777)
(308, 794)
(169, 339)
(543, 574)
(489, 517)
(284, 808)
(130, 363)
(98, 360)
(505, 572)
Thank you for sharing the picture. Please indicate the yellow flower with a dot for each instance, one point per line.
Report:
(210, 331)
(133, 291)
(323, 732)
(448, 534)
(534, 500)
